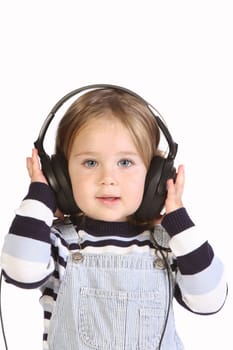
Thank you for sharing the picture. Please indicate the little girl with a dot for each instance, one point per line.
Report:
(107, 277)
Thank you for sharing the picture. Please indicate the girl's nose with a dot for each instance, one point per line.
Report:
(108, 181)
(108, 177)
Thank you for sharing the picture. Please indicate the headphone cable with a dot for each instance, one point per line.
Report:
(169, 297)
(1, 317)
(161, 249)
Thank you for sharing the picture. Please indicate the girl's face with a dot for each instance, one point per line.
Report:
(106, 171)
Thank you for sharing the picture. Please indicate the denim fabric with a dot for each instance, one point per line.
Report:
(112, 302)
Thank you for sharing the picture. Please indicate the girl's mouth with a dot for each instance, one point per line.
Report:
(108, 200)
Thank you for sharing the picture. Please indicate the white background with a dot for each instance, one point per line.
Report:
(178, 55)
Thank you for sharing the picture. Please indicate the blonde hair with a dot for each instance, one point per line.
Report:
(132, 112)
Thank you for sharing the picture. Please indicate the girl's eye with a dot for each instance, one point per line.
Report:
(125, 163)
(90, 163)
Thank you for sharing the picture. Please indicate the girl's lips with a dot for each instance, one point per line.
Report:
(108, 200)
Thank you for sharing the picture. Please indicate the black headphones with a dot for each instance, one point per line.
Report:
(161, 169)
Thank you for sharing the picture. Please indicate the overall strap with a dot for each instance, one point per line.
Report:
(67, 229)
(161, 236)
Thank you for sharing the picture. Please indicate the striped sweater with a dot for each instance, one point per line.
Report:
(35, 253)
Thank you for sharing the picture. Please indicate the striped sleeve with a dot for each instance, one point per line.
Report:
(202, 287)
(26, 255)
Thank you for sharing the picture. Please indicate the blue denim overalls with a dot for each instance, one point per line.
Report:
(113, 302)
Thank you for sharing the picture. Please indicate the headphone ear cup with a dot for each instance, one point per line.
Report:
(56, 173)
(63, 191)
(48, 172)
(155, 191)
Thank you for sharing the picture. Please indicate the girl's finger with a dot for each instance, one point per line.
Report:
(29, 166)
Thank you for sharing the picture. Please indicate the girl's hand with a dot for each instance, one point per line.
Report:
(34, 169)
(175, 191)
(174, 194)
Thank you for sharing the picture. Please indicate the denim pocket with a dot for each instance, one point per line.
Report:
(151, 326)
(102, 317)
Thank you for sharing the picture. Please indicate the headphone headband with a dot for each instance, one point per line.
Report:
(39, 142)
